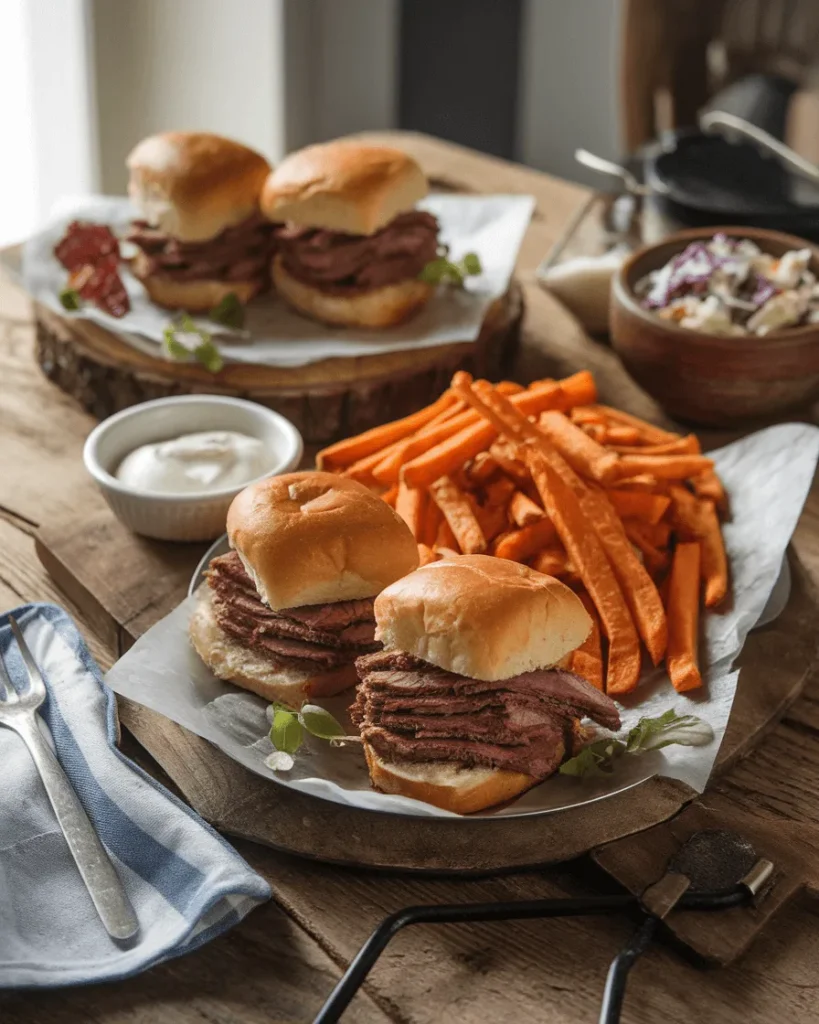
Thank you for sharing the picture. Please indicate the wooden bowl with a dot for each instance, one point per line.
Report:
(705, 378)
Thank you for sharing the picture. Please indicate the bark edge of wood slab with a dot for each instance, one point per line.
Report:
(325, 401)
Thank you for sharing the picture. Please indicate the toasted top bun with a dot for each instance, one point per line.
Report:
(343, 186)
(313, 538)
(480, 616)
(193, 185)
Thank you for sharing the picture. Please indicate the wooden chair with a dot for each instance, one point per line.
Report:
(677, 53)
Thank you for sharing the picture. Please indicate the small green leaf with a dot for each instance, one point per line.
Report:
(185, 341)
(70, 299)
(444, 271)
(230, 312)
(209, 356)
(596, 759)
(319, 722)
(286, 733)
(668, 728)
(472, 264)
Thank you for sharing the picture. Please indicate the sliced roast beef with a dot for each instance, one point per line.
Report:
(342, 263)
(538, 759)
(566, 692)
(314, 635)
(409, 709)
(239, 253)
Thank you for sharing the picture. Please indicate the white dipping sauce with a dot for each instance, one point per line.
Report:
(193, 463)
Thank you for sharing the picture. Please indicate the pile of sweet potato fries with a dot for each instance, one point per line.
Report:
(625, 513)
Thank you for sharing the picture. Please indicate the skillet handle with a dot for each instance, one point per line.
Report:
(716, 121)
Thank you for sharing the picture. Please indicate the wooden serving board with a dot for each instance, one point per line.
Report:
(124, 584)
(326, 400)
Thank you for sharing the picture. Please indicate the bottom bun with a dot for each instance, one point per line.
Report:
(377, 307)
(448, 786)
(196, 296)
(236, 664)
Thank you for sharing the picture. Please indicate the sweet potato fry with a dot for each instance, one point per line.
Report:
(652, 434)
(655, 560)
(551, 561)
(519, 545)
(390, 495)
(638, 587)
(641, 482)
(685, 513)
(432, 520)
(708, 485)
(492, 519)
(411, 504)
(426, 555)
(481, 469)
(504, 454)
(457, 511)
(683, 617)
(388, 468)
(499, 492)
(689, 445)
(586, 551)
(583, 454)
(587, 414)
(587, 659)
(714, 562)
(664, 467)
(344, 453)
(621, 434)
(442, 459)
(596, 431)
(639, 505)
(445, 540)
(523, 511)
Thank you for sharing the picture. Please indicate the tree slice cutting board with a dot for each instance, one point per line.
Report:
(327, 400)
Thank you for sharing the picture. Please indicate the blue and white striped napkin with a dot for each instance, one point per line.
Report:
(185, 882)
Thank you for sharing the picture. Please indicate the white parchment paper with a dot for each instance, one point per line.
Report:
(766, 476)
(491, 226)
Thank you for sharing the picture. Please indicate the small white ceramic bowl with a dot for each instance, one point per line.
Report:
(182, 517)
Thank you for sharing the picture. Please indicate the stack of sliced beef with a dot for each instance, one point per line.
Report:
(336, 262)
(410, 710)
(320, 636)
(239, 253)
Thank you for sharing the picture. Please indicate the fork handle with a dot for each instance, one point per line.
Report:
(92, 860)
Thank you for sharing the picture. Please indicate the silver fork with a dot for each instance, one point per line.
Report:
(18, 711)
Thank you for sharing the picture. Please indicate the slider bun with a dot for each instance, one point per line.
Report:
(313, 538)
(480, 616)
(343, 186)
(194, 296)
(193, 185)
(449, 786)
(376, 307)
(236, 664)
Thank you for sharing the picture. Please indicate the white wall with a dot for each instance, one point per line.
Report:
(207, 65)
(47, 110)
(569, 84)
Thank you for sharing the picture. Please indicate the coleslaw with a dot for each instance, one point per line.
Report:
(729, 286)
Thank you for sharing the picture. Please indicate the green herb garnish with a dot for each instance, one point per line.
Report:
(444, 271)
(229, 312)
(70, 300)
(288, 728)
(286, 733)
(599, 758)
(319, 722)
(185, 341)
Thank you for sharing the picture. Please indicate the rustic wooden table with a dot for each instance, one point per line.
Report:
(283, 960)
